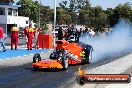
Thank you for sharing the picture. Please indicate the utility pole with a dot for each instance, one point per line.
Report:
(54, 23)
(39, 13)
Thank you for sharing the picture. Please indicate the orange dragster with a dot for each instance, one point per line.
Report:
(65, 53)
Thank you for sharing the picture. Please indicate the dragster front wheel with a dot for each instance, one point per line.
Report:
(65, 63)
(36, 58)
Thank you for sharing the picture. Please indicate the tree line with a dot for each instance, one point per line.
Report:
(77, 12)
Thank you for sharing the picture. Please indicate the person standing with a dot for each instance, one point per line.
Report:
(14, 36)
(25, 33)
(1, 38)
(69, 32)
(80, 32)
(86, 30)
(39, 31)
(60, 33)
(77, 35)
(30, 36)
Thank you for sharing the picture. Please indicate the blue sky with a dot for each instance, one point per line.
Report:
(104, 3)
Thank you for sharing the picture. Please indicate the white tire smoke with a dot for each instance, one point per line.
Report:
(119, 40)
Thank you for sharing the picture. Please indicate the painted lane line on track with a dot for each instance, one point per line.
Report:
(25, 55)
(15, 57)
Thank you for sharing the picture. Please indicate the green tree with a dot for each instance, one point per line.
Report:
(29, 8)
(131, 16)
(35, 11)
(111, 19)
(84, 17)
(25, 9)
(122, 11)
(93, 17)
(63, 16)
(46, 14)
(76, 5)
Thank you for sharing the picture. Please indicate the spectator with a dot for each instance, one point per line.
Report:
(69, 31)
(60, 33)
(80, 32)
(91, 33)
(1, 38)
(85, 32)
(76, 34)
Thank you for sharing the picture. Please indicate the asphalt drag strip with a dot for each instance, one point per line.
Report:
(22, 76)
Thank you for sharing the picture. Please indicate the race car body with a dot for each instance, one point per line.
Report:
(47, 63)
(64, 54)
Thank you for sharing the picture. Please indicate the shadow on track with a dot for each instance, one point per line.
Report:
(56, 69)
(44, 69)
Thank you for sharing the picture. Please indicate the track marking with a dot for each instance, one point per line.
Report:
(129, 85)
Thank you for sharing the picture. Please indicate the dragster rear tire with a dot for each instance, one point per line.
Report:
(65, 63)
(81, 80)
(36, 58)
(88, 62)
